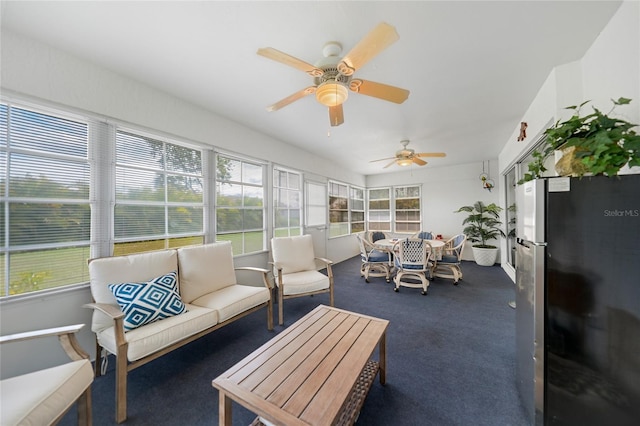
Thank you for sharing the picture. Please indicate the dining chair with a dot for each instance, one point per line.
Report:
(295, 271)
(376, 262)
(413, 261)
(374, 236)
(425, 235)
(449, 265)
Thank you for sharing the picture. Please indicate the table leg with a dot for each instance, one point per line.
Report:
(383, 358)
(224, 410)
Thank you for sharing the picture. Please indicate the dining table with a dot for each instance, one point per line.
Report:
(389, 243)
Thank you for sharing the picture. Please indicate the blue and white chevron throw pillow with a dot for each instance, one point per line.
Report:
(143, 303)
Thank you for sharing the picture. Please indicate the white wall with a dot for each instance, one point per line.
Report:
(609, 69)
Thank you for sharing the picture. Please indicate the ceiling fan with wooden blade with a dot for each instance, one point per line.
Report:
(407, 156)
(333, 76)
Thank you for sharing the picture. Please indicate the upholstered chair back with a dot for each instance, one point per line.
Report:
(205, 269)
(293, 254)
(139, 267)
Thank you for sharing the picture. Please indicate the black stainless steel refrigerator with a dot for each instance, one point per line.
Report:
(578, 300)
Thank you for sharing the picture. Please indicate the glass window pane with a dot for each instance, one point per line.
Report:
(136, 150)
(138, 221)
(253, 241)
(408, 203)
(229, 195)
(183, 159)
(139, 185)
(376, 194)
(281, 218)
(228, 220)
(184, 189)
(42, 223)
(294, 218)
(251, 173)
(183, 220)
(253, 219)
(47, 134)
(41, 177)
(44, 269)
(379, 205)
(253, 197)
(337, 203)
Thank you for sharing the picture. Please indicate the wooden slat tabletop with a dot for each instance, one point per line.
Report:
(305, 374)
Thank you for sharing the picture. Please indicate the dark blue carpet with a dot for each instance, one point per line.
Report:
(450, 357)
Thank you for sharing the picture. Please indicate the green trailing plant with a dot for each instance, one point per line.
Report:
(602, 144)
(482, 224)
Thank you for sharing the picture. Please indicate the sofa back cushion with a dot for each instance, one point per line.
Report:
(293, 254)
(204, 269)
(140, 267)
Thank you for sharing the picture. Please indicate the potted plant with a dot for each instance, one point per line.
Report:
(482, 225)
(595, 143)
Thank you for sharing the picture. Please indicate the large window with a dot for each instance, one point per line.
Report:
(379, 214)
(240, 204)
(338, 209)
(287, 196)
(356, 208)
(159, 194)
(45, 215)
(407, 209)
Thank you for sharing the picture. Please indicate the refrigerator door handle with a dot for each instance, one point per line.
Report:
(528, 244)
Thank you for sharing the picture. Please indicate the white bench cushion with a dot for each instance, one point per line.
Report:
(233, 300)
(304, 282)
(38, 398)
(160, 334)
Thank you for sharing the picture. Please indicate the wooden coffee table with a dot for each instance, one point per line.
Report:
(316, 372)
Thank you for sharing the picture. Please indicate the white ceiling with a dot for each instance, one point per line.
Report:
(472, 67)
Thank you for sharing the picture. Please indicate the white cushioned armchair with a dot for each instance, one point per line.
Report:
(295, 270)
(44, 396)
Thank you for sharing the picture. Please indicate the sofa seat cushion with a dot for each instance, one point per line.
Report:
(304, 282)
(233, 300)
(38, 398)
(157, 335)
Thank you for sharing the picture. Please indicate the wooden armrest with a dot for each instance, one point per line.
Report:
(110, 310)
(66, 336)
(251, 268)
(327, 261)
(28, 335)
(264, 272)
(116, 314)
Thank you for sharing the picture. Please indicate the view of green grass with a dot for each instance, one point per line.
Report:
(40, 270)
(44, 269)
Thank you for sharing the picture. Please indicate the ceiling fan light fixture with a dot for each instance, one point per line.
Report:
(405, 162)
(332, 93)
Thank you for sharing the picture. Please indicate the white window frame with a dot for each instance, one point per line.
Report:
(284, 207)
(241, 247)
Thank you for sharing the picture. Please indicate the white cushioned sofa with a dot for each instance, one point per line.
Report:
(148, 304)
